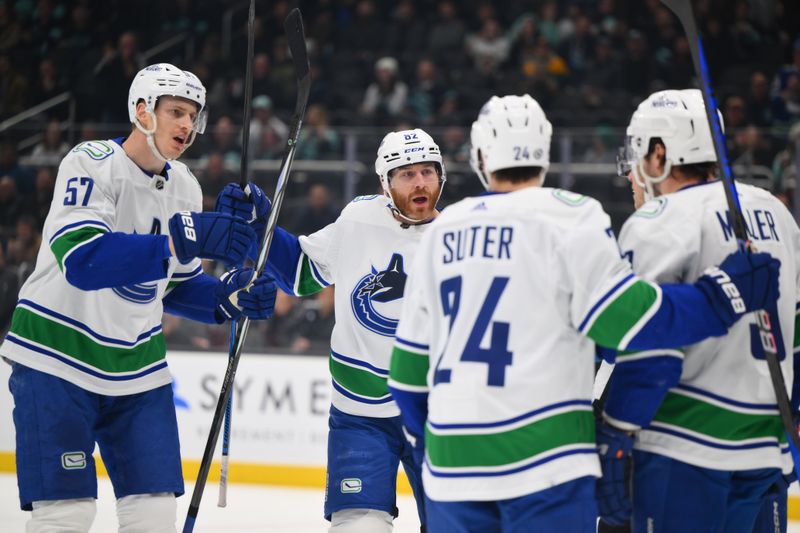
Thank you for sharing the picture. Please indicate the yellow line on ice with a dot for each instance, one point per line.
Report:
(252, 473)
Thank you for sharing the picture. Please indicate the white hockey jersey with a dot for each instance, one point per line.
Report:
(723, 414)
(366, 253)
(109, 340)
(496, 325)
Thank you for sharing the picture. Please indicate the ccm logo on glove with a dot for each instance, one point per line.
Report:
(728, 288)
(188, 226)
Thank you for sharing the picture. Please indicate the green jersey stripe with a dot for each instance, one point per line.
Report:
(68, 241)
(76, 344)
(357, 380)
(626, 357)
(512, 446)
(718, 422)
(307, 283)
(409, 368)
(621, 316)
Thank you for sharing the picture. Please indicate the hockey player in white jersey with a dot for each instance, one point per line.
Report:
(365, 253)
(496, 340)
(709, 442)
(122, 241)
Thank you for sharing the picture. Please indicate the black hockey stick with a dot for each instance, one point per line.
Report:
(244, 172)
(297, 45)
(768, 332)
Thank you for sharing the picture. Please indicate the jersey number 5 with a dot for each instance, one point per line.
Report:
(496, 356)
(85, 183)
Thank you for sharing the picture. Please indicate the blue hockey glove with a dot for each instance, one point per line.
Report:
(211, 236)
(613, 493)
(256, 301)
(249, 203)
(744, 282)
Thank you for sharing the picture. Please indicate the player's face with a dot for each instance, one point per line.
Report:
(175, 122)
(415, 189)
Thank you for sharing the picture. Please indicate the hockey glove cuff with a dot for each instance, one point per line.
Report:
(249, 203)
(217, 236)
(227, 292)
(236, 295)
(744, 282)
(613, 493)
(258, 302)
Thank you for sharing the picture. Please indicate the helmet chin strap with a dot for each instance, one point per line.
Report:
(646, 181)
(151, 141)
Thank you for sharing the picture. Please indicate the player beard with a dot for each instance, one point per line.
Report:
(413, 206)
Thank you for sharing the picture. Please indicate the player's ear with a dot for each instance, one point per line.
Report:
(144, 117)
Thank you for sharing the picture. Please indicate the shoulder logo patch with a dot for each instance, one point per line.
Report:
(363, 198)
(376, 288)
(97, 150)
(570, 198)
(652, 209)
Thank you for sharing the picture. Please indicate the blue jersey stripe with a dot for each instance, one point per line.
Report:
(76, 224)
(346, 393)
(316, 273)
(602, 300)
(416, 345)
(722, 399)
(534, 464)
(704, 442)
(87, 329)
(86, 370)
(529, 414)
(185, 275)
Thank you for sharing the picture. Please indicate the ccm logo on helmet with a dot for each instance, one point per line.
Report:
(415, 149)
(188, 226)
(730, 290)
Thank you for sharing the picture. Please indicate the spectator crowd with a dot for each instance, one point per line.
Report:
(374, 63)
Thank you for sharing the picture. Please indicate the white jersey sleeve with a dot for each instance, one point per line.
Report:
(318, 259)
(82, 208)
(659, 251)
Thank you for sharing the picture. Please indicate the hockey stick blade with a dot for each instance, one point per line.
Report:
(243, 325)
(293, 26)
(769, 330)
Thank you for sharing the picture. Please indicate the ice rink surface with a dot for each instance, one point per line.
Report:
(250, 508)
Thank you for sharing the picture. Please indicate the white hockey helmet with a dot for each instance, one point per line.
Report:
(511, 131)
(163, 79)
(678, 119)
(407, 147)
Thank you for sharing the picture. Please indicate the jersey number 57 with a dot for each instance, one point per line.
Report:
(76, 186)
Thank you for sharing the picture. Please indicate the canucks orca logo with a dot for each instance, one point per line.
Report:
(140, 293)
(379, 287)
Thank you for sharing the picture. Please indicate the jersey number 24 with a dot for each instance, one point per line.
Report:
(496, 356)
